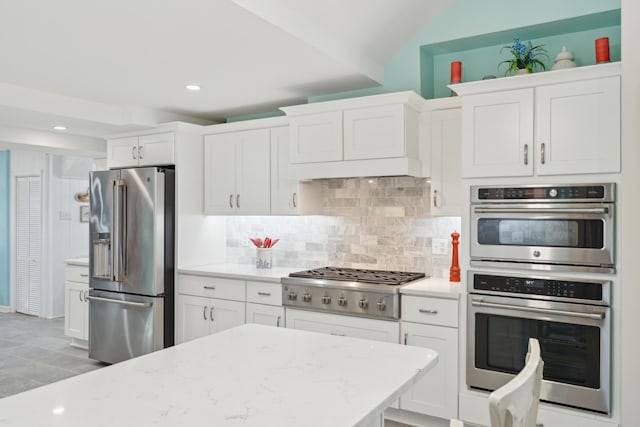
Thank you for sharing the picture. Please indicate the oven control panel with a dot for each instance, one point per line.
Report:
(578, 290)
(544, 193)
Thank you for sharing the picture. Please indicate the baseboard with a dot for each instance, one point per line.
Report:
(5, 309)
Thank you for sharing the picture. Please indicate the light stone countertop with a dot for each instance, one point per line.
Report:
(77, 261)
(251, 375)
(433, 287)
(240, 271)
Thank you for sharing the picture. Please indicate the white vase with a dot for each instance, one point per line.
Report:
(263, 258)
(522, 71)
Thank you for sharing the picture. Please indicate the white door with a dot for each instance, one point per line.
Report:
(284, 190)
(225, 314)
(29, 245)
(157, 149)
(253, 172)
(446, 181)
(262, 314)
(436, 394)
(374, 133)
(219, 174)
(122, 152)
(193, 318)
(316, 137)
(497, 134)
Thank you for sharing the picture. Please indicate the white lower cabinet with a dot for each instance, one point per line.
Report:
(262, 314)
(207, 305)
(432, 323)
(337, 324)
(264, 303)
(76, 307)
(200, 316)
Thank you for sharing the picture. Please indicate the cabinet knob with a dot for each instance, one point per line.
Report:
(134, 152)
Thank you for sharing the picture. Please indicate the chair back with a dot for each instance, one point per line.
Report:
(515, 404)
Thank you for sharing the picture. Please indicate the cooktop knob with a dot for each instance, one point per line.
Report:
(381, 305)
(342, 301)
(363, 303)
(292, 296)
(326, 299)
(306, 297)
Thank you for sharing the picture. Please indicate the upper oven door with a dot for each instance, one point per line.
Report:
(578, 234)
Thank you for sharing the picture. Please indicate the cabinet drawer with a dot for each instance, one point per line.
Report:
(76, 273)
(215, 287)
(433, 311)
(264, 293)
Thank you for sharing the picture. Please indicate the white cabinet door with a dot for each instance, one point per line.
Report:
(336, 324)
(225, 314)
(436, 394)
(76, 310)
(193, 318)
(122, 152)
(157, 149)
(219, 174)
(284, 190)
(253, 172)
(316, 137)
(270, 315)
(578, 127)
(237, 173)
(374, 133)
(497, 134)
(446, 181)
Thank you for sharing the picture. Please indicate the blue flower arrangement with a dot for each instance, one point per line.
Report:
(525, 56)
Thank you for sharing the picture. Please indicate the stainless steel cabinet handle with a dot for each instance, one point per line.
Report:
(278, 321)
(596, 316)
(134, 152)
(539, 424)
(140, 153)
(127, 303)
(211, 288)
(231, 201)
(204, 312)
(80, 295)
(337, 334)
(211, 311)
(526, 154)
(294, 200)
(406, 338)
(542, 153)
(427, 311)
(264, 294)
(84, 275)
(435, 195)
(85, 295)
(238, 201)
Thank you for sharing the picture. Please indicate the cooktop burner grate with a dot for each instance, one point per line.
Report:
(380, 277)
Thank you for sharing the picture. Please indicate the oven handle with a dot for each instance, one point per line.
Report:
(603, 210)
(596, 316)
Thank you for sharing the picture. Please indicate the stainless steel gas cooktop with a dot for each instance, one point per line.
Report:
(369, 293)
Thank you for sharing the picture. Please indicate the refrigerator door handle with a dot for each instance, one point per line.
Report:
(119, 229)
(117, 301)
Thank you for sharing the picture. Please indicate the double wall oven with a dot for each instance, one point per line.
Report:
(550, 240)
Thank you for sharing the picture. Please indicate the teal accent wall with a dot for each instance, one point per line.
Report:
(5, 297)
(471, 24)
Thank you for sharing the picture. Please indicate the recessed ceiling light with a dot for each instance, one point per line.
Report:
(192, 87)
(60, 127)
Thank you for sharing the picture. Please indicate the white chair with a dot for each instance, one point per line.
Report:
(515, 404)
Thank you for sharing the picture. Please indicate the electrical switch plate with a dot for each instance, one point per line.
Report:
(439, 246)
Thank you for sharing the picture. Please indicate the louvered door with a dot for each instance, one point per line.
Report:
(29, 244)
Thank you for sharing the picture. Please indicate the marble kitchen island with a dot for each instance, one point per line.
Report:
(251, 375)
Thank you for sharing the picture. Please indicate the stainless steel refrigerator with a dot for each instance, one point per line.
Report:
(131, 262)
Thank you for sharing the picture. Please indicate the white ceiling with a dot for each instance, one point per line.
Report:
(102, 67)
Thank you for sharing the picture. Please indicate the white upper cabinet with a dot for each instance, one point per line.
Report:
(143, 150)
(368, 136)
(237, 173)
(553, 123)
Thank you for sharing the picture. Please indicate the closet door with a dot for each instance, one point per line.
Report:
(29, 244)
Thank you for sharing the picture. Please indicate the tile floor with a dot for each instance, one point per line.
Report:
(35, 352)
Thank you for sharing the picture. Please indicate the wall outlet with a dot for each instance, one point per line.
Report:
(439, 246)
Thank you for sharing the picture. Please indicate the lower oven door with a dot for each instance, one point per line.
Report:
(574, 340)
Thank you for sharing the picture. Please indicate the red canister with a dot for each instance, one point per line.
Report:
(456, 72)
(602, 50)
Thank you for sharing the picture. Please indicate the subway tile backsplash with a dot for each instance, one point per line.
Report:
(374, 223)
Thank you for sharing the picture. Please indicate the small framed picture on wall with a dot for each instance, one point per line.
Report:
(84, 213)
